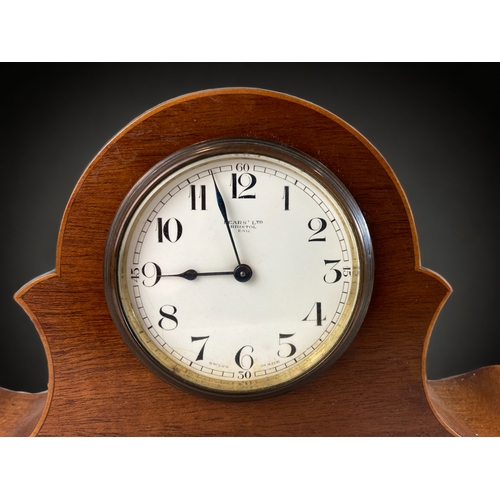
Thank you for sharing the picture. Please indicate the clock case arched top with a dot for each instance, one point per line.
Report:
(98, 387)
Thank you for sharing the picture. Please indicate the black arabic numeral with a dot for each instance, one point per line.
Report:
(286, 197)
(318, 225)
(168, 318)
(203, 197)
(242, 167)
(171, 230)
(151, 270)
(246, 181)
(292, 350)
(244, 359)
(315, 314)
(338, 274)
(202, 351)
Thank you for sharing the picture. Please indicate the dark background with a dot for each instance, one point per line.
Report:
(436, 125)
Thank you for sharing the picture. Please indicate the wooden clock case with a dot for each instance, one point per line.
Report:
(377, 388)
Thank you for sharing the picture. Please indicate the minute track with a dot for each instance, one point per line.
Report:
(258, 331)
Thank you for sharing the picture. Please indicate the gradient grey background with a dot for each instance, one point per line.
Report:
(436, 125)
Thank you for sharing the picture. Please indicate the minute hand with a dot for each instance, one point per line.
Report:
(222, 208)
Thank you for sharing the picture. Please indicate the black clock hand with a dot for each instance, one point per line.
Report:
(242, 273)
(191, 274)
(222, 208)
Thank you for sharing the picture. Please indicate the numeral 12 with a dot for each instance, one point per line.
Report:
(248, 183)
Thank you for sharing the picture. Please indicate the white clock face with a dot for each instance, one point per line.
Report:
(239, 273)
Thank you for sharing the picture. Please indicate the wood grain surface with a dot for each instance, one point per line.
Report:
(469, 404)
(20, 412)
(98, 387)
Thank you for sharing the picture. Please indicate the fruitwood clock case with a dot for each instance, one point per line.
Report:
(102, 383)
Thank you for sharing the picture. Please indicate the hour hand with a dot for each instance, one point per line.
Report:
(242, 273)
(191, 274)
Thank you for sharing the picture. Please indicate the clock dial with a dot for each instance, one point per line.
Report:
(238, 268)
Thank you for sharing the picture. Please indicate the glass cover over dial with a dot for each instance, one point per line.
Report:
(238, 268)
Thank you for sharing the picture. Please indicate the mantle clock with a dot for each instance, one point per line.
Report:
(241, 262)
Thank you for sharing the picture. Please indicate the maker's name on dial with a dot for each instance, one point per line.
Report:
(244, 226)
